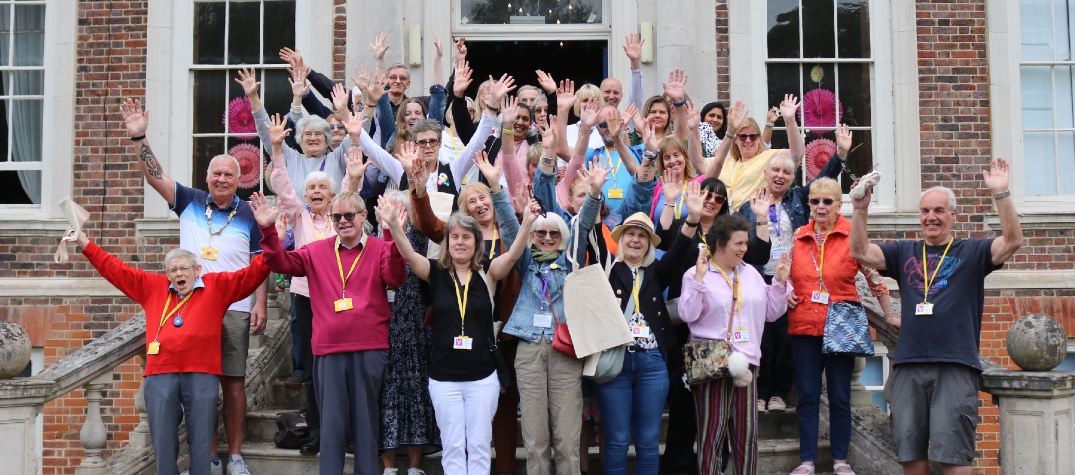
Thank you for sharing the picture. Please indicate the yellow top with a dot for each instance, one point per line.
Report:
(744, 178)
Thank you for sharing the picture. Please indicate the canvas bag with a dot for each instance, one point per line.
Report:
(590, 305)
(605, 366)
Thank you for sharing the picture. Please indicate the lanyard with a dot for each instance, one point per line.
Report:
(165, 315)
(323, 164)
(819, 264)
(318, 237)
(454, 146)
(737, 290)
(679, 201)
(492, 244)
(343, 290)
(774, 213)
(634, 291)
(616, 170)
(925, 273)
(209, 221)
(702, 235)
(462, 300)
(737, 170)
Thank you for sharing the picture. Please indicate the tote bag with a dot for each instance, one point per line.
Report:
(847, 330)
(591, 309)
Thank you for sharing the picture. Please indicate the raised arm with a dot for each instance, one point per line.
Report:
(565, 99)
(438, 64)
(391, 214)
(464, 125)
(1011, 239)
(633, 49)
(862, 250)
(796, 143)
(675, 90)
(137, 121)
(514, 171)
(615, 126)
(693, 120)
(759, 205)
(291, 263)
(736, 115)
(502, 265)
(288, 200)
(379, 48)
(356, 169)
(767, 129)
(587, 119)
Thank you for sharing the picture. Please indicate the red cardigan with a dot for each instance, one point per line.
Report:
(364, 327)
(193, 347)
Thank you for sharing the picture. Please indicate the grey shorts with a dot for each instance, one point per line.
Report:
(935, 412)
(234, 343)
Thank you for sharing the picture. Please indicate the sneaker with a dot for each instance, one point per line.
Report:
(296, 379)
(415, 471)
(761, 405)
(215, 467)
(390, 471)
(236, 466)
(777, 404)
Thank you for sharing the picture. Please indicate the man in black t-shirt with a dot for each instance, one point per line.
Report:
(941, 280)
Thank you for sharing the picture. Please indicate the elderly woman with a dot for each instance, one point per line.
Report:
(745, 172)
(463, 380)
(549, 381)
(823, 272)
(182, 344)
(720, 295)
(788, 212)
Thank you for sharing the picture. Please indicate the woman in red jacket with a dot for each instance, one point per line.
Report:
(822, 271)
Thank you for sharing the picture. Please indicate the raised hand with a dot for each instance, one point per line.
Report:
(298, 81)
(588, 114)
(277, 130)
(281, 224)
(996, 177)
(248, 80)
(353, 124)
(361, 79)
(379, 47)
(377, 86)
(408, 155)
(548, 133)
(521, 198)
(737, 115)
(633, 49)
(419, 173)
(628, 114)
(649, 135)
(864, 202)
(510, 111)
(701, 264)
(615, 123)
(783, 268)
(772, 115)
(388, 214)
(491, 171)
(675, 88)
(530, 212)
(339, 97)
(694, 201)
(136, 120)
(597, 176)
(789, 107)
(566, 95)
(694, 115)
(759, 204)
(499, 89)
(671, 185)
(292, 57)
(263, 213)
(843, 141)
(461, 49)
(436, 43)
(356, 164)
(462, 78)
(546, 82)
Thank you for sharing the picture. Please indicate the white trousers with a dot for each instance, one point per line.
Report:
(465, 417)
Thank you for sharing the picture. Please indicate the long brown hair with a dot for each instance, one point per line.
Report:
(469, 224)
(403, 131)
(667, 106)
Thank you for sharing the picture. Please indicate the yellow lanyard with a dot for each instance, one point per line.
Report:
(925, 273)
(614, 170)
(454, 146)
(492, 244)
(462, 300)
(679, 201)
(737, 170)
(340, 265)
(737, 290)
(821, 259)
(634, 292)
(165, 315)
(318, 237)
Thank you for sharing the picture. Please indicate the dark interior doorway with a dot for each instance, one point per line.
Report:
(580, 61)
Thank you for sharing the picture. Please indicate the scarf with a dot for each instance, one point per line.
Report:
(543, 256)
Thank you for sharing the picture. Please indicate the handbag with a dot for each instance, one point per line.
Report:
(590, 304)
(708, 359)
(847, 330)
(292, 431)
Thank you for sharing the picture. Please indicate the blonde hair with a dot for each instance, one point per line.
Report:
(826, 185)
(353, 198)
(477, 186)
(586, 92)
(671, 144)
(479, 105)
(533, 156)
(747, 123)
(648, 259)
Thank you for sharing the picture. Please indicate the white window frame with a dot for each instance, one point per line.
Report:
(879, 349)
(894, 86)
(1006, 106)
(579, 31)
(57, 151)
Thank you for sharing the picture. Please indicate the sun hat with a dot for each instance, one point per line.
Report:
(640, 220)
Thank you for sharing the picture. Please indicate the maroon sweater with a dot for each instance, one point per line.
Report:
(364, 327)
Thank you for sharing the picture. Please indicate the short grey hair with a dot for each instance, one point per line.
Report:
(551, 220)
(471, 225)
(784, 159)
(945, 190)
(527, 88)
(315, 177)
(314, 123)
(425, 125)
(235, 161)
(399, 196)
(180, 253)
(402, 66)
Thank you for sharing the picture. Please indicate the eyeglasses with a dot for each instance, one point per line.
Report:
(397, 78)
(429, 143)
(349, 217)
(541, 233)
(538, 110)
(816, 201)
(748, 137)
(527, 100)
(179, 270)
(336, 127)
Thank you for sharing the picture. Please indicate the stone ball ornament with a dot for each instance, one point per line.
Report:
(14, 350)
(1037, 342)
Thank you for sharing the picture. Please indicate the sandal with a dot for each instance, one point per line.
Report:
(836, 467)
(811, 469)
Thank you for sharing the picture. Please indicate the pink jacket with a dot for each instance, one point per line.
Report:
(302, 221)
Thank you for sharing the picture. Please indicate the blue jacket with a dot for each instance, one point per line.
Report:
(795, 201)
(437, 97)
(531, 299)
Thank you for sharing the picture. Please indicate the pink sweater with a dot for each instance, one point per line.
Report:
(364, 327)
(301, 219)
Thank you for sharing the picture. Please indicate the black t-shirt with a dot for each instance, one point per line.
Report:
(953, 332)
(447, 363)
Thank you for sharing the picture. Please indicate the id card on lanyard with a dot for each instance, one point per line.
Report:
(544, 319)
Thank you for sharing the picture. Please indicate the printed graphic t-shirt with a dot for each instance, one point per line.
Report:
(952, 334)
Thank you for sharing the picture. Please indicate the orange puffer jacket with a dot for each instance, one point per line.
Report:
(808, 318)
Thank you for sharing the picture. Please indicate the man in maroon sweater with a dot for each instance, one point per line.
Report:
(347, 278)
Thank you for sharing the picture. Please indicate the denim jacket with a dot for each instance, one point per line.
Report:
(531, 299)
(387, 122)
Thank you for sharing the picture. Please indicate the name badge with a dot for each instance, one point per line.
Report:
(615, 193)
(463, 343)
(543, 320)
(208, 253)
(343, 304)
(640, 331)
(154, 348)
(819, 296)
(777, 252)
(391, 296)
(740, 335)
(923, 308)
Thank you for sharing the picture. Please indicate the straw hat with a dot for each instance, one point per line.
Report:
(640, 220)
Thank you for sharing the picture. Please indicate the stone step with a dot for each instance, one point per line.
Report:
(781, 456)
(261, 424)
(285, 396)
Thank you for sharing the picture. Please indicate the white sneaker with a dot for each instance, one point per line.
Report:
(777, 404)
(415, 471)
(236, 466)
(215, 468)
(390, 471)
(761, 405)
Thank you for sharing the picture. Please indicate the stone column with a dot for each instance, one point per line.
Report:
(859, 395)
(93, 435)
(1037, 415)
(21, 400)
(139, 437)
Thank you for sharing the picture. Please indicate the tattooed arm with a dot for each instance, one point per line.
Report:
(137, 121)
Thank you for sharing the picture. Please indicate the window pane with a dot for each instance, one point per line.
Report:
(783, 36)
(819, 107)
(26, 123)
(1062, 75)
(279, 28)
(1066, 159)
(1036, 35)
(783, 79)
(1061, 33)
(244, 32)
(859, 160)
(250, 155)
(205, 148)
(854, 93)
(1039, 152)
(5, 34)
(21, 187)
(529, 12)
(853, 23)
(5, 106)
(277, 91)
(209, 102)
(29, 35)
(819, 40)
(209, 32)
(1037, 94)
(24, 83)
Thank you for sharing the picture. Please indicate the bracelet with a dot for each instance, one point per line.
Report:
(296, 108)
(493, 109)
(770, 124)
(761, 223)
(546, 161)
(680, 103)
(1003, 194)
(729, 136)
(508, 131)
(669, 205)
(692, 225)
(374, 106)
(138, 138)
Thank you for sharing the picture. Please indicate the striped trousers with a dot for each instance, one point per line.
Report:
(725, 412)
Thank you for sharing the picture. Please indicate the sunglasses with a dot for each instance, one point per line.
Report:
(748, 137)
(541, 233)
(538, 110)
(427, 143)
(336, 127)
(603, 125)
(349, 217)
(717, 198)
(827, 201)
(397, 78)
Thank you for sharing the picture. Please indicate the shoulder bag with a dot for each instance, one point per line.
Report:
(847, 330)
(708, 360)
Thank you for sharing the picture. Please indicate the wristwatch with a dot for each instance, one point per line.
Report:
(693, 225)
(1003, 194)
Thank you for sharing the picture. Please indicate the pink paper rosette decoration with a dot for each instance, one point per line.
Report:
(818, 154)
(240, 119)
(819, 109)
(249, 157)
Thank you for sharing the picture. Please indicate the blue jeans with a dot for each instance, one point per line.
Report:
(631, 406)
(806, 351)
(296, 339)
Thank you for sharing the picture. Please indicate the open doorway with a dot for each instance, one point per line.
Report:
(580, 61)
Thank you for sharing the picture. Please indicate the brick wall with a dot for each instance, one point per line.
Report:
(723, 66)
(339, 42)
